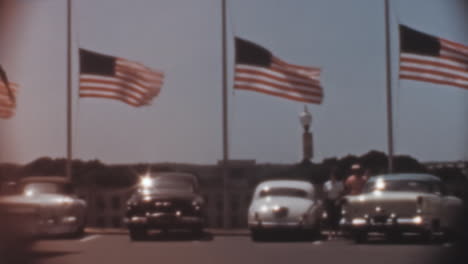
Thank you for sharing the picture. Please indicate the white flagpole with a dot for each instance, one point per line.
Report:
(69, 92)
(389, 88)
(225, 119)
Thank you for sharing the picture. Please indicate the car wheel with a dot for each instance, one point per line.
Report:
(360, 237)
(137, 233)
(79, 232)
(427, 236)
(197, 231)
(393, 236)
(257, 235)
(313, 234)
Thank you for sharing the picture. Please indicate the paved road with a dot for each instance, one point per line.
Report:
(181, 248)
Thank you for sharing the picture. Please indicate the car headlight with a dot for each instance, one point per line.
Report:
(418, 220)
(146, 181)
(359, 221)
(65, 200)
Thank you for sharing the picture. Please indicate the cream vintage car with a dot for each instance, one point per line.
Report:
(44, 206)
(397, 203)
(284, 205)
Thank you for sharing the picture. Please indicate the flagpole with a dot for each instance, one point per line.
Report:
(389, 88)
(69, 93)
(225, 118)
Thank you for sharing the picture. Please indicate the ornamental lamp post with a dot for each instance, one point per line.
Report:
(307, 143)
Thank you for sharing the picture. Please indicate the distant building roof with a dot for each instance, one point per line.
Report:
(238, 163)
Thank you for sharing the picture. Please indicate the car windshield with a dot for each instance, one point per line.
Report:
(44, 187)
(401, 186)
(290, 192)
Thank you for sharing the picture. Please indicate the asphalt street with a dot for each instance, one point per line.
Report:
(182, 248)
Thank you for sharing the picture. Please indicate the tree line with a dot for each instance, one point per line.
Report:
(94, 172)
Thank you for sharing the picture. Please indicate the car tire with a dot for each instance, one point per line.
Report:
(257, 235)
(79, 232)
(427, 236)
(360, 237)
(137, 233)
(197, 231)
(314, 234)
(393, 236)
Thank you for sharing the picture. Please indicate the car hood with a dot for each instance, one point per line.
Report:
(167, 196)
(38, 199)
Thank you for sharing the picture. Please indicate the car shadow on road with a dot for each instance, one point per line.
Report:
(32, 256)
(289, 237)
(178, 236)
(403, 240)
(64, 237)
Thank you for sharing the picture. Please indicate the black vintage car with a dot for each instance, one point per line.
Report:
(165, 201)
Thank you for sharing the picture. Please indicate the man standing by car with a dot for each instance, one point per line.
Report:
(333, 192)
(355, 182)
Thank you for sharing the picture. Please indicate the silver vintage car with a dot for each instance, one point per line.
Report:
(397, 203)
(44, 206)
(284, 205)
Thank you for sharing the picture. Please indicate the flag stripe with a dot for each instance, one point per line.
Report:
(429, 78)
(139, 66)
(286, 96)
(454, 45)
(295, 72)
(119, 79)
(258, 70)
(436, 67)
(244, 70)
(116, 91)
(443, 62)
(7, 105)
(279, 87)
(448, 65)
(453, 53)
(433, 72)
(299, 67)
(131, 72)
(115, 83)
(276, 74)
(106, 96)
(434, 76)
(269, 88)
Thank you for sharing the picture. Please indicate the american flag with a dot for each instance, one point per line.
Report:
(103, 76)
(431, 59)
(258, 70)
(7, 96)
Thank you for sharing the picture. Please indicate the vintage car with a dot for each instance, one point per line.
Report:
(165, 201)
(394, 204)
(44, 206)
(284, 205)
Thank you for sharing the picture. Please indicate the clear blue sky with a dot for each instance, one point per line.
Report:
(183, 38)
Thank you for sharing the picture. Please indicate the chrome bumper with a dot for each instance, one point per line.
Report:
(399, 224)
(278, 225)
(163, 220)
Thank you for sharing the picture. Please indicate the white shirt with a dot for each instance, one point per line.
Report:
(333, 189)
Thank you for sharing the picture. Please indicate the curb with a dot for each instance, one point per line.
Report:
(122, 231)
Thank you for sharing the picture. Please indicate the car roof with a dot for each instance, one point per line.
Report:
(406, 176)
(299, 184)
